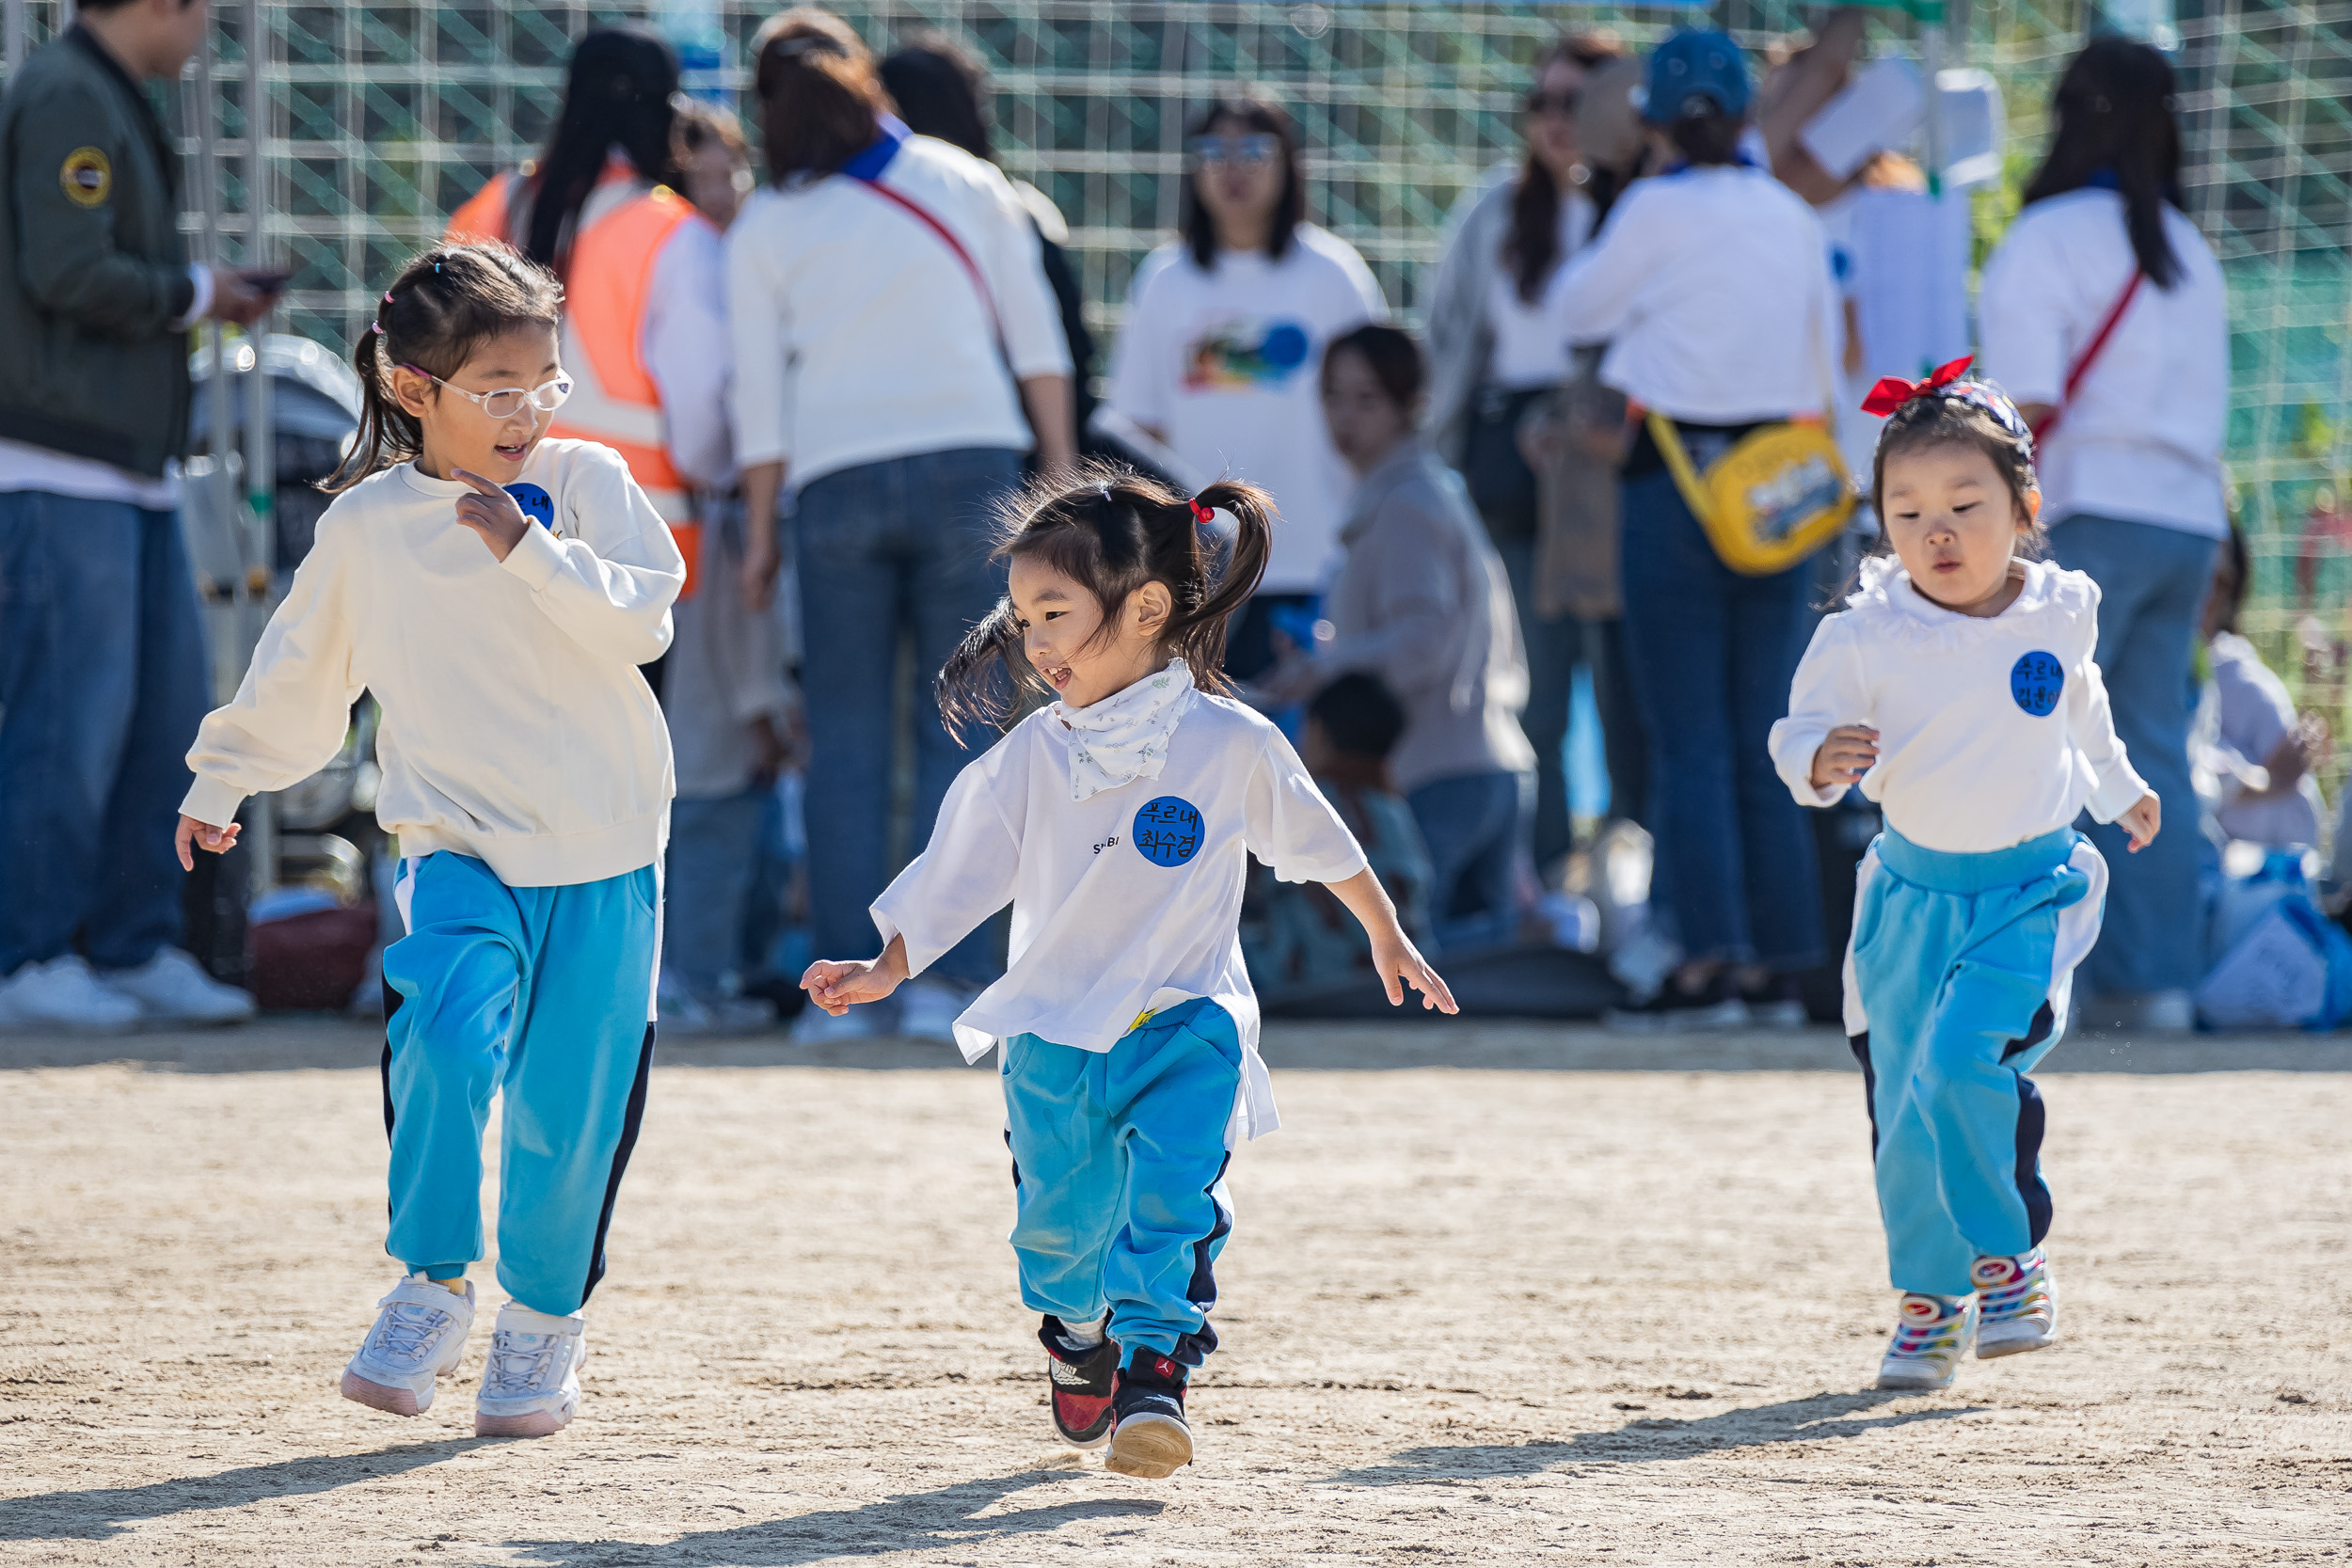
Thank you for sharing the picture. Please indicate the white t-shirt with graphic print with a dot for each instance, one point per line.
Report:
(1128, 901)
(1227, 364)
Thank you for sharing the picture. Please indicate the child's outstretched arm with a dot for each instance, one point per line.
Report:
(1394, 958)
(837, 987)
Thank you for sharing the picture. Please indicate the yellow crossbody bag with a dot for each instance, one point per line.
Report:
(1772, 501)
(1778, 494)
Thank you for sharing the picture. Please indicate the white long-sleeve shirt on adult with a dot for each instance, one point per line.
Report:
(517, 727)
(1128, 901)
(689, 353)
(1992, 730)
(2140, 439)
(1712, 289)
(859, 335)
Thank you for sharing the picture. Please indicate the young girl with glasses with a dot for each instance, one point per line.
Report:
(1118, 819)
(496, 592)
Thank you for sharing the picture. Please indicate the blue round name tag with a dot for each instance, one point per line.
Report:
(536, 503)
(1167, 829)
(2036, 681)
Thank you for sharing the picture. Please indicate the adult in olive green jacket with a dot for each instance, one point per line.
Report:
(102, 672)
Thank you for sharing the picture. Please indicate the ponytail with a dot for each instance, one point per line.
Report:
(1110, 530)
(444, 305)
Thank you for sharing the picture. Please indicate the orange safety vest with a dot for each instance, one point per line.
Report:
(609, 275)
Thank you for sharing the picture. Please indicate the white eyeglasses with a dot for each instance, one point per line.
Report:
(507, 402)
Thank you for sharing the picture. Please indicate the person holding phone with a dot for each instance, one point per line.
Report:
(103, 668)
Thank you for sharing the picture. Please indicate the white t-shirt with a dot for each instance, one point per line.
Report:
(1992, 730)
(516, 728)
(1712, 289)
(859, 335)
(2141, 440)
(1127, 901)
(1227, 365)
(1529, 350)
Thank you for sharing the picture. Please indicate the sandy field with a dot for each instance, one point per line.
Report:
(1497, 1294)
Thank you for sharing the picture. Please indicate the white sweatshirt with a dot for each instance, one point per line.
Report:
(1127, 901)
(516, 728)
(1992, 730)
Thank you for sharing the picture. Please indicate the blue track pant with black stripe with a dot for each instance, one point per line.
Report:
(1119, 1168)
(542, 994)
(1962, 967)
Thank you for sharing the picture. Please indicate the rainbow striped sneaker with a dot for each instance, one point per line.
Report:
(1931, 1336)
(2017, 1304)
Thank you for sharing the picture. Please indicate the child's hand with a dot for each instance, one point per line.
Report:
(1399, 964)
(219, 840)
(2141, 822)
(492, 514)
(1845, 755)
(837, 987)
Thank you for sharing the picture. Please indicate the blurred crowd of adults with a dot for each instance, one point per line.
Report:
(828, 349)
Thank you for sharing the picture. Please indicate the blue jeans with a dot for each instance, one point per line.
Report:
(1712, 654)
(541, 994)
(1118, 1176)
(2153, 582)
(1470, 825)
(103, 679)
(885, 550)
(714, 851)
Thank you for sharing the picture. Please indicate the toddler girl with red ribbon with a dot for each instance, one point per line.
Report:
(1957, 690)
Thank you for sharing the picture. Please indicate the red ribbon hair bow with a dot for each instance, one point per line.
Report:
(1893, 392)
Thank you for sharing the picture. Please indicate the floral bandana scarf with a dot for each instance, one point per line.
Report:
(1125, 736)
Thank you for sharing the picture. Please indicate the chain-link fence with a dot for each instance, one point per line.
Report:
(382, 116)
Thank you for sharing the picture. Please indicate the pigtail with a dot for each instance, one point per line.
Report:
(388, 433)
(1197, 630)
(988, 678)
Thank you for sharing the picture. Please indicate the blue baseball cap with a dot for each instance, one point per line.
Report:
(1695, 63)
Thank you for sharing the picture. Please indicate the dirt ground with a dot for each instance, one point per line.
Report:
(1499, 1294)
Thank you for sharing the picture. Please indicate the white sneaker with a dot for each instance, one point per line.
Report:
(64, 994)
(927, 1010)
(2017, 1304)
(815, 1026)
(172, 987)
(418, 1334)
(1932, 1334)
(531, 1385)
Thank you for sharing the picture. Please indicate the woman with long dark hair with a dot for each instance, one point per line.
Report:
(1225, 327)
(1493, 357)
(2106, 316)
(898, 356)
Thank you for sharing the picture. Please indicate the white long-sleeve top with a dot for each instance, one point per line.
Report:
(1712, 289)
(2141, 439)
(859, 335)
(517, 727)
(1992, 730)
(1127, 901)
(689, 353)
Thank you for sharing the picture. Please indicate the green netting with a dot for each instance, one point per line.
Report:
(385, 114)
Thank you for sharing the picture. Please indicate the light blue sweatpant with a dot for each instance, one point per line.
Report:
(542, 994)
(1956, 959)
(1119, 1171)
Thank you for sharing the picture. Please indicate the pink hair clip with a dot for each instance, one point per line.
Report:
(1200, 514)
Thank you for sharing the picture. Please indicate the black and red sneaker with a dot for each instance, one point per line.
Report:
(1148, 1436)
(1082, 1377)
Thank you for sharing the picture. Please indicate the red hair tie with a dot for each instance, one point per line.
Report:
(1200, 514)
(1893, 392)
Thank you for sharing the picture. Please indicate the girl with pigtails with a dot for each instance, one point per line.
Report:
(1117, 819)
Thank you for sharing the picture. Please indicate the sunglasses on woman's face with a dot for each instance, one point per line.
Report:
(1552, 103)
(1255, 149)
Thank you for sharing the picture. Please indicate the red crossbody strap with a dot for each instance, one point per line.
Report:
(948, 238)
(2089, 354)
